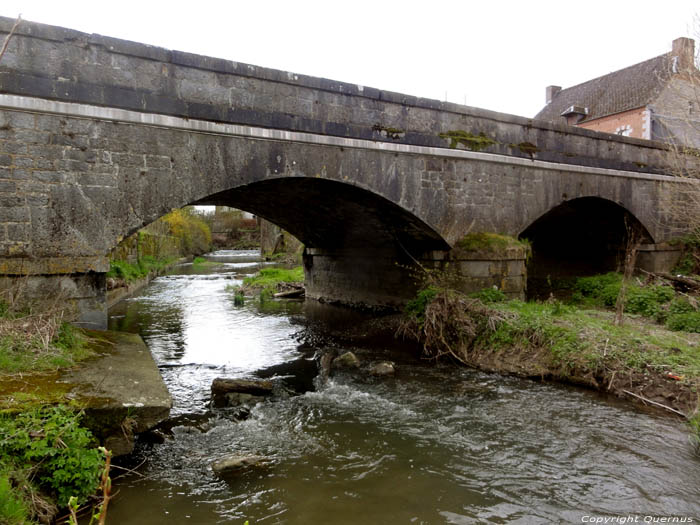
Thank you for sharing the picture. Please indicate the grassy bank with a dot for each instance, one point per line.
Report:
(266, 283)
(46, 456)
(180, 233)
(647, 358)
(38, 339)
(129, 272)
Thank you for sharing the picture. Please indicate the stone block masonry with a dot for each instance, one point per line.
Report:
(99, 137)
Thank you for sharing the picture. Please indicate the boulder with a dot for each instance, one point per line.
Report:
(346, 360)
(382, 368)
(237, 462)
(234, 392)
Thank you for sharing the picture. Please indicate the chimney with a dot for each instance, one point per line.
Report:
(552, 92)
(683, 53)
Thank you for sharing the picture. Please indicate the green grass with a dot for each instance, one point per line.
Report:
(21, 351)
(489, 242)
(129, 272)
(654, 301)
(264, 284)
(270, 277)
(14, 508)
(581, 337)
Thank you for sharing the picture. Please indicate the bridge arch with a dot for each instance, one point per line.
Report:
(582, 236)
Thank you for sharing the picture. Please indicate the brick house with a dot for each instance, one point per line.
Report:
(658, 99)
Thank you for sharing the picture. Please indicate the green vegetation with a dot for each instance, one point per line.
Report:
(489, 295)
(689, 263)
(655, 301)
(468, 140)
(415, 308)
(145, 266)
(578, 342)
(266, 283)
(490, 242)
(392, 133)
(45, 457)
(38, 340)
(181, 232)
(190, 229)
(14, 509)
(526, 147)
(270, 277)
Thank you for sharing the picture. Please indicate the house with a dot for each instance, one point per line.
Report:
(658, 99)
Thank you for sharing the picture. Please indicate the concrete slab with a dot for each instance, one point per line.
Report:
(121, 389)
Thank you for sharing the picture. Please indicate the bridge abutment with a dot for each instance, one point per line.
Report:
(82, 296)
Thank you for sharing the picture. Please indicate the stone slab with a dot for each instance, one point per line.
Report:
(121, 388)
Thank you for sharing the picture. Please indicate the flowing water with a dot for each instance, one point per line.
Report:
(434, 444)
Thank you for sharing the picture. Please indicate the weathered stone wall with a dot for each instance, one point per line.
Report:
(72, 188)
(61, 64)
(359, 175)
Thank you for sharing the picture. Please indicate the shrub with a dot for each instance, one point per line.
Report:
(191, 230)
(680, 305)
(489, 295)
(684, 322)
(416, 307)
(593, 286)
(51, 442)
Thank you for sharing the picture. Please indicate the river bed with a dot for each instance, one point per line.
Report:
(434, 444)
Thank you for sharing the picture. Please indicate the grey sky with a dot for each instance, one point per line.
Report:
(495, 55)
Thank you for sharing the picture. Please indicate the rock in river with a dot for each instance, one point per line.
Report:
(234, 392)
(383, 368)
(237, 462)
(346, 360)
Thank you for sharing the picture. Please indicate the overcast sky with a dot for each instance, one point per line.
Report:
(498, 55)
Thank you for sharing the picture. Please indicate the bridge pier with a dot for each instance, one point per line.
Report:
(389, 278)
(661, 257)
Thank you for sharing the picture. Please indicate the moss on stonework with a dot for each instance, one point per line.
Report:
(392, 133)
(468, 140)
(528, 148)
(490, 242)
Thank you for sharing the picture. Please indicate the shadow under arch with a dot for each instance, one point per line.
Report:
(329, 214)
(356, 241)
(584, 236)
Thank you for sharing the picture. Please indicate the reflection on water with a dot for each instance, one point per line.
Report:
(433, 445)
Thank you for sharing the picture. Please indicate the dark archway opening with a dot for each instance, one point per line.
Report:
(358, 243)
(585, 236)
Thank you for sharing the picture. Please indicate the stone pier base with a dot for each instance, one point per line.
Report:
(660, 257)
(391, 278)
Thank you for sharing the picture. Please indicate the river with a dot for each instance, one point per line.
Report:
(434, 444)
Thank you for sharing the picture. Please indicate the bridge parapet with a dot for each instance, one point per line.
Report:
(62, 64)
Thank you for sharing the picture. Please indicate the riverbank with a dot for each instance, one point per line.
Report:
(124, 283)
(640, 360)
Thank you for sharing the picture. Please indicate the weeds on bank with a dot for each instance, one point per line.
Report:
(46, 458)
(657, 301)
(578, 341)
(129, 272)
(265, 283)
(37, 338)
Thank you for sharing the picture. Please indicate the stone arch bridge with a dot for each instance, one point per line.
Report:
(99, 137)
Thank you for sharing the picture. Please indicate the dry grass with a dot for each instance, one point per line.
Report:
(450, 324)
(35, 335)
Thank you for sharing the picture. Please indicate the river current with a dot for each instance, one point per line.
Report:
(434, 444)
